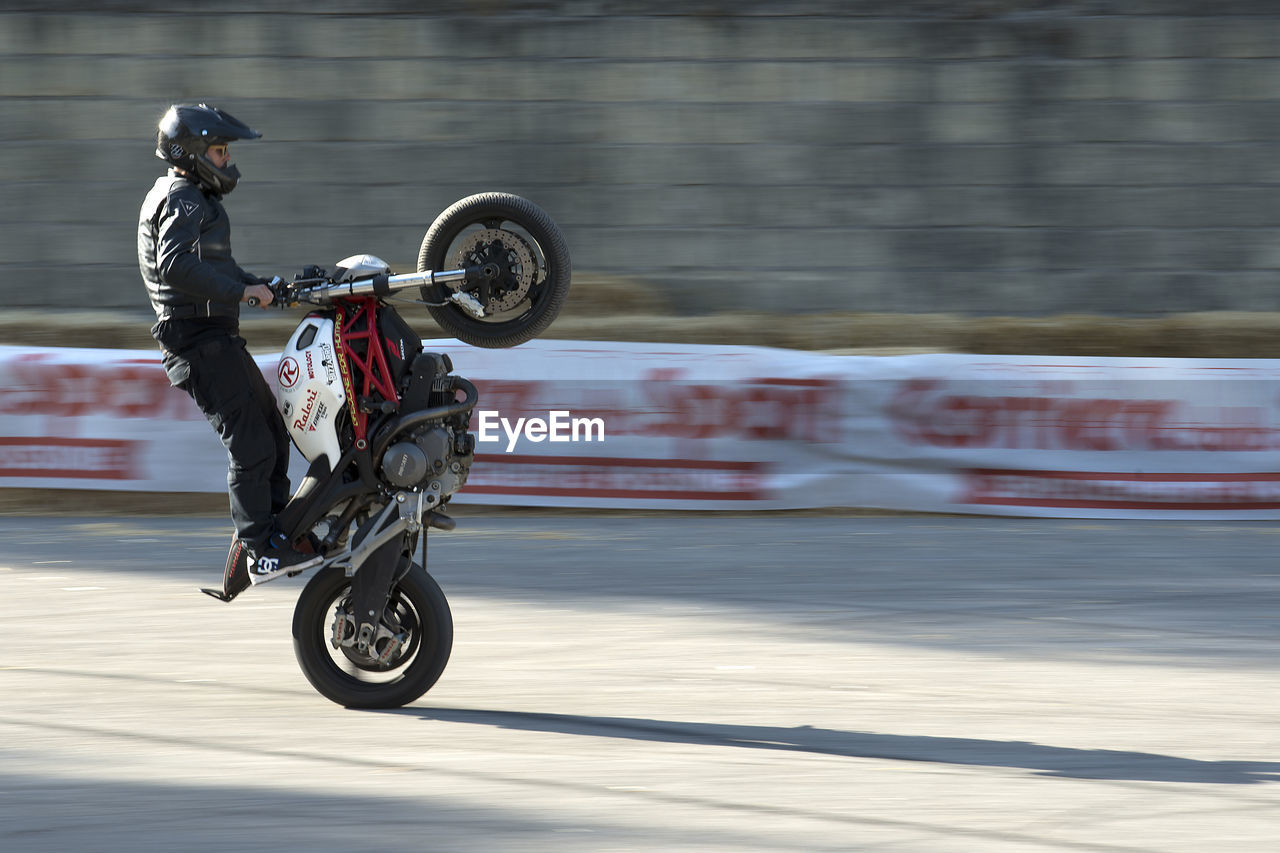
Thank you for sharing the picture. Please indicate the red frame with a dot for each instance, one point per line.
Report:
(372, 371)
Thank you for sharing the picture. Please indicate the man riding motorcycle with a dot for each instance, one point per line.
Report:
(196, 287)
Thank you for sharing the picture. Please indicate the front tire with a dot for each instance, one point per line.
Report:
(530, 266)
(416, 606)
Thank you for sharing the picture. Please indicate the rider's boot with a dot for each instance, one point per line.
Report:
(235, 577)
(245, 568)
(275, 558)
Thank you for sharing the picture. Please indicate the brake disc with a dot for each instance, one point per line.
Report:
(514, 261)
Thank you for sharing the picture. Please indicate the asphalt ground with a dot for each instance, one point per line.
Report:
(649, 682)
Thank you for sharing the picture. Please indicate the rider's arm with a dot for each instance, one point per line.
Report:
(178, 258)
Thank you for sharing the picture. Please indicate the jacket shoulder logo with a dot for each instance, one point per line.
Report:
(189, 207)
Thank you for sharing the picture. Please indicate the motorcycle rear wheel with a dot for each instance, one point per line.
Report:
(346, 677)
(529, 257)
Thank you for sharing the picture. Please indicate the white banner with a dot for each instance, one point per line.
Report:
(1069, 437)
(591, 424)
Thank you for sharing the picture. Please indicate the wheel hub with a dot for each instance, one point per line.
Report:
(506, 265)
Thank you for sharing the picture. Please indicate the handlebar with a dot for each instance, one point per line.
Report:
(379, 285)
(320, 291)
(278, 288)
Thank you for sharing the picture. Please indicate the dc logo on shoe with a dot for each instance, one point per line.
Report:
(266, 565)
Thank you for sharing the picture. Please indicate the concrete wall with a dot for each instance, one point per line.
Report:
(987, 157)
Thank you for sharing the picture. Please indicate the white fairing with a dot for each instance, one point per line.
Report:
(309, 391)
(360, 266)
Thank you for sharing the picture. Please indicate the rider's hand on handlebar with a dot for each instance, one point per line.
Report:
(258, 296)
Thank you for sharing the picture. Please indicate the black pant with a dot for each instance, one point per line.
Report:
(227, 385)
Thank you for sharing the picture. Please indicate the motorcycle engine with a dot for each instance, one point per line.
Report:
(435, 459)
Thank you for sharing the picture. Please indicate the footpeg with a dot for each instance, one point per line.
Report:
(440, 521)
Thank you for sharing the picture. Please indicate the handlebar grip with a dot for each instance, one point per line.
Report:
(278, 287)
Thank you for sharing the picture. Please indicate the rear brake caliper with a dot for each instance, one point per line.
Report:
(381, 644)
(343, 632)
(390, 643)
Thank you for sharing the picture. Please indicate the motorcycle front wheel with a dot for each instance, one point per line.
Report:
(417, 608)
(526, 269)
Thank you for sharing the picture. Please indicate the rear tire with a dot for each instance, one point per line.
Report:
(532, 252)
(417, 605)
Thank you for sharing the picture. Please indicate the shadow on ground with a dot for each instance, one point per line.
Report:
(1061, 762)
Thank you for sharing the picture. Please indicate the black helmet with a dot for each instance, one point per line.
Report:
(185, 134)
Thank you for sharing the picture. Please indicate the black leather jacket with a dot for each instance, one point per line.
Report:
(184, 253)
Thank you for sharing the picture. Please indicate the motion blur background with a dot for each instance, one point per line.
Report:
(978, 156)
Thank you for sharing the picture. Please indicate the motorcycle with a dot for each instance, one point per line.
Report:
(384, 427)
